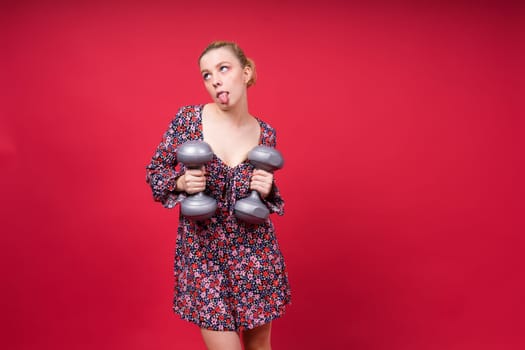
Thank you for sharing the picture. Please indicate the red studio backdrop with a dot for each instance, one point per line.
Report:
(402, 126)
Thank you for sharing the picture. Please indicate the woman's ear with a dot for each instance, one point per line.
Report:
(248, 74)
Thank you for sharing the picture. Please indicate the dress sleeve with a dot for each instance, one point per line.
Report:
(274, 201)
(162, 172)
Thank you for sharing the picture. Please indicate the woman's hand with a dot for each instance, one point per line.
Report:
(262, 182)
(192, 181)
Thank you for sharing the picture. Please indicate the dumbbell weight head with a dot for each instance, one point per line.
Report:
(194, 153)
(251, 209)
(266, 158)
(198, 207)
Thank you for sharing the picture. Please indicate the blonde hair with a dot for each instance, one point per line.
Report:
(237, 51)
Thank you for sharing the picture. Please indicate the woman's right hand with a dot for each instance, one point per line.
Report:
(192, 181)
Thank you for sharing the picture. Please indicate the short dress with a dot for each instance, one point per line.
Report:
(229, 275)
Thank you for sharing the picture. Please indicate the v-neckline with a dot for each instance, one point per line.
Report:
(201, 137)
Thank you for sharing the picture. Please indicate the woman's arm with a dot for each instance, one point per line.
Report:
(264, 182)
(162, 172)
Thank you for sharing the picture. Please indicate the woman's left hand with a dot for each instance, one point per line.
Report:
(262, 182)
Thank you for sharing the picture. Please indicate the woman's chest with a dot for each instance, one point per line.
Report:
(228, 183)
(231, 148)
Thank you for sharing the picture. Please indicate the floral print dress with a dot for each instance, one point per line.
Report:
(229, 275)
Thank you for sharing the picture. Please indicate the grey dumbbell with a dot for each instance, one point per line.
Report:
(194, 154)
(251, 209)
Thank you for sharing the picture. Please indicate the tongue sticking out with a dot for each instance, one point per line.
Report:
(223, 97)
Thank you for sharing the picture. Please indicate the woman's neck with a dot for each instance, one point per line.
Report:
(237, 114)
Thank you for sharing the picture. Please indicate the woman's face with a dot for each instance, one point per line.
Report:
(224, 77)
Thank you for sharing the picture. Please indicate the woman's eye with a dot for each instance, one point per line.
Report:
(223, 68)
(206, 76)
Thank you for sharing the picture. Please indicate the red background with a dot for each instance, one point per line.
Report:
(402, 127)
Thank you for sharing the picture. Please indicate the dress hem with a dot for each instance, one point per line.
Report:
(280, 313)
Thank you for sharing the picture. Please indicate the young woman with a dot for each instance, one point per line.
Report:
(230, 276)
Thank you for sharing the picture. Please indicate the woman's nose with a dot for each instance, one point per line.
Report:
(216, 82)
